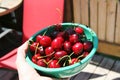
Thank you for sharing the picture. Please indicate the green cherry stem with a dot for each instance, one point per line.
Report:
(46, 55)
(62, 58)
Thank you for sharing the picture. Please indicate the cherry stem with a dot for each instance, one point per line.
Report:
(71, 54)
(49, 61)
(62, 58)
(36, 48)
(46, 55)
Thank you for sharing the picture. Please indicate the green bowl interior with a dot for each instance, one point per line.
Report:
(89, 34)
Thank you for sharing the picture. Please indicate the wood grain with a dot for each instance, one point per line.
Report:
(117, 33)
(76, 11)
(84, 12)
(102, 19)
(111, 11)
(93, 15)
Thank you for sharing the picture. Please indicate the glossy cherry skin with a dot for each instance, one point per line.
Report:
(77, 48)
(73, 61)
(79, 30)
(73, 38)
(49, 51)
(60, 54)
(67, 46)
(33, 46)
(41, 50)
(38, 38)
(45, 41)
(35, 57)
(54, 64)
(57, 43)
(88, 46)
(41, 62)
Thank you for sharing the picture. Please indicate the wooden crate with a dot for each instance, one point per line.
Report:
(103, 16)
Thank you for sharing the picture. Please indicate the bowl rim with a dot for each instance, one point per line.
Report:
(44, 69)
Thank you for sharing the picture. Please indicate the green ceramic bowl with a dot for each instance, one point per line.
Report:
(71, 70)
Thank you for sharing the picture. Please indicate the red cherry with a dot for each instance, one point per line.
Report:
(54, 64)
(49, 51)
(41, 50)
(38, 38)
(77, 48)
(57, 43)
(79, 30)
(60, 54)
(87, 46)
(85, 54)
(35, 58)
(45, 41)
(73, 61)
(67, 46)
(73, 38)
(33, 46)
(41, 62)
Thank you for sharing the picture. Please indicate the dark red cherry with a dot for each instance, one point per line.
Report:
(54, 64)
(85, 54)
(57, 43)
(67, 46)
(41, 50)
(45, 41)
(79, 30)
(58, 27)
(54, 34)
(88, 45)
(41, 62)
(73, 38)
(60, 54)
(77, 48)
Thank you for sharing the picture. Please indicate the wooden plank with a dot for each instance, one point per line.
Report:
(111, 11)
(68, 16)
(117, 33)
(89, 69)
(93, 15)
(76, 11)
(109, 48)
(114, 74)
(102, 69)
(101, 19)
(84, 12)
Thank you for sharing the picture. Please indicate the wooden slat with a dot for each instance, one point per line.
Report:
(101, 19)
(89, 69)
(114, 74)
(109, 49)
(111, 9)
(117, 33)
(68, 16)
(102, 69)
(84, 12)
(76, 11)
(93, 15)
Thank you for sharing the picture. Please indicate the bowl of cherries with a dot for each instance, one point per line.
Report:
(62, 50)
